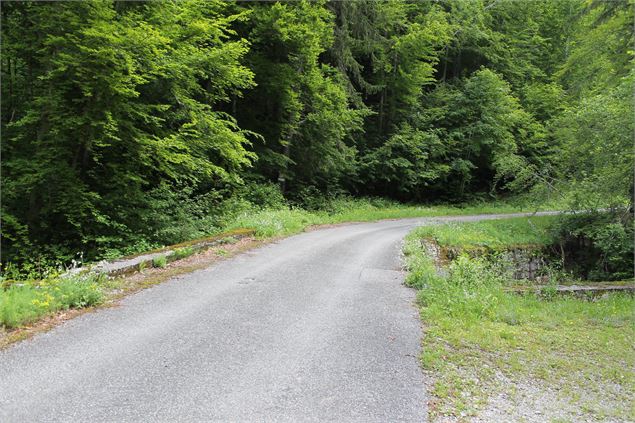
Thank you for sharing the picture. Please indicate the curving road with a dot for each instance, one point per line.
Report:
(316, 327)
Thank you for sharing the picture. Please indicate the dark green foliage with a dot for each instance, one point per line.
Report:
(599, 246)
(300, 105)
(407, 165)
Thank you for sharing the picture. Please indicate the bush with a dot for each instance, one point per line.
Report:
(77, 292)
(263, 195)
(598, 246)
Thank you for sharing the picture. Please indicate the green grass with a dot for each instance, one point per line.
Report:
(476, 330)
(25, 303)
(20, 305)
(182, 253)
(280, 222)
(159, 262)
(271, 223)
(492, 233)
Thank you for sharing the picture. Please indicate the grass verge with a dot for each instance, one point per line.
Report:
(26, 302)
(499, 355)
(492, 233)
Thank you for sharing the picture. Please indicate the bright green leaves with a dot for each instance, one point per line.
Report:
(415, 56)
(597, 147)
(114, 101)
(300, 30)
(113, 112)
(601, 50)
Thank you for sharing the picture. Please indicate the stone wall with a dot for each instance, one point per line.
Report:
(522, 263)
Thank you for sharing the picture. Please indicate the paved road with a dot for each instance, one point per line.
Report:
(316, 327)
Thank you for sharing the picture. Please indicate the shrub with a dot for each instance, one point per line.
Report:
(263, 195)
(598, 245)
(78, 292)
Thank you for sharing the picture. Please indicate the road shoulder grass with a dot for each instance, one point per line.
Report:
(492, 355)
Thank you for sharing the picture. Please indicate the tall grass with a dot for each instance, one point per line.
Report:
(270, 223)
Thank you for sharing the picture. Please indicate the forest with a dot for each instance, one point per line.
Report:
(130, 125)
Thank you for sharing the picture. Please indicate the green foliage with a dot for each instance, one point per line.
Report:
(25, 303)
(264, 195)
(597, 148)
(159, 262)
(422, 271)
(105, 104)
(601, 48)
(300, 106)
(601, 245)
(269, 223)
(408, 163)
(486, 129)
(476, 329)
(182, 253)
(493, 234)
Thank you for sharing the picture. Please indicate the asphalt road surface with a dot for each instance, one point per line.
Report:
(316, 327)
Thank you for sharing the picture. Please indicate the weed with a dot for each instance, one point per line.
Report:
(492, 233)
(159, 262)
(549, 291)
(182, 253)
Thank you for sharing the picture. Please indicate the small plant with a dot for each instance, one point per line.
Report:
(549, 291)
(182, 253)
(159, 262)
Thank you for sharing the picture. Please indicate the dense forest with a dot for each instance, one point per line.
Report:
(147, 123)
